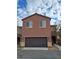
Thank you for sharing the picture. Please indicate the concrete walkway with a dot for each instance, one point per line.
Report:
(57, 46)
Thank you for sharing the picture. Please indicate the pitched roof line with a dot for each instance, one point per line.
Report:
(35, 14)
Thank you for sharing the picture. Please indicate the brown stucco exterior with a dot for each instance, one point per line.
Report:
(36, 31)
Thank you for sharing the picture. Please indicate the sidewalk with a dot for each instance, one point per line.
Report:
(57, 46)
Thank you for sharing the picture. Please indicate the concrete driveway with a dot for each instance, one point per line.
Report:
(53, 53)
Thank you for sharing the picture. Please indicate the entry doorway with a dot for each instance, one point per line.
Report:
(53, 40)
(18, 41)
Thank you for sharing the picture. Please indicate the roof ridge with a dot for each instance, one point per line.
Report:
(36, 14)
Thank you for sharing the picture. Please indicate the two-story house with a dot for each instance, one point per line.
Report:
(36, 31)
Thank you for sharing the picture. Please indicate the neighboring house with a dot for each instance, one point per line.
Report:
(56, 34)
(36, 31)
(53, 34)
(59, 34)
(53, 30)
(19, 35)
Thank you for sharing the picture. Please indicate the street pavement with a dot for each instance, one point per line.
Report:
(52, 53)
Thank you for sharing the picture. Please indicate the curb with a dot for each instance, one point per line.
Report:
(31, 48)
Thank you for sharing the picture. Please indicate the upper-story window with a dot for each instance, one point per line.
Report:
(42, 24)
(29, 24)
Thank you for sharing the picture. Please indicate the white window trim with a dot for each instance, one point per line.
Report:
(31, 26)
(45, 24)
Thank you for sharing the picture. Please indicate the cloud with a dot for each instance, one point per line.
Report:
(52, 22)
(50, 8)
(19, 22)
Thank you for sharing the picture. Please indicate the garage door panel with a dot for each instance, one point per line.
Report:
(36, 42)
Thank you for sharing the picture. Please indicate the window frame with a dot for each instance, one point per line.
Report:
(30, 24)
(42, 23)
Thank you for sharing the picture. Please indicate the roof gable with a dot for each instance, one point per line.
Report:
(38, 15)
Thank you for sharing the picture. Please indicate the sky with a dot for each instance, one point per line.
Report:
(50, 8)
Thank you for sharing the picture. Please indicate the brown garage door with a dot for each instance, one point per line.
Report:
(36, 42)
